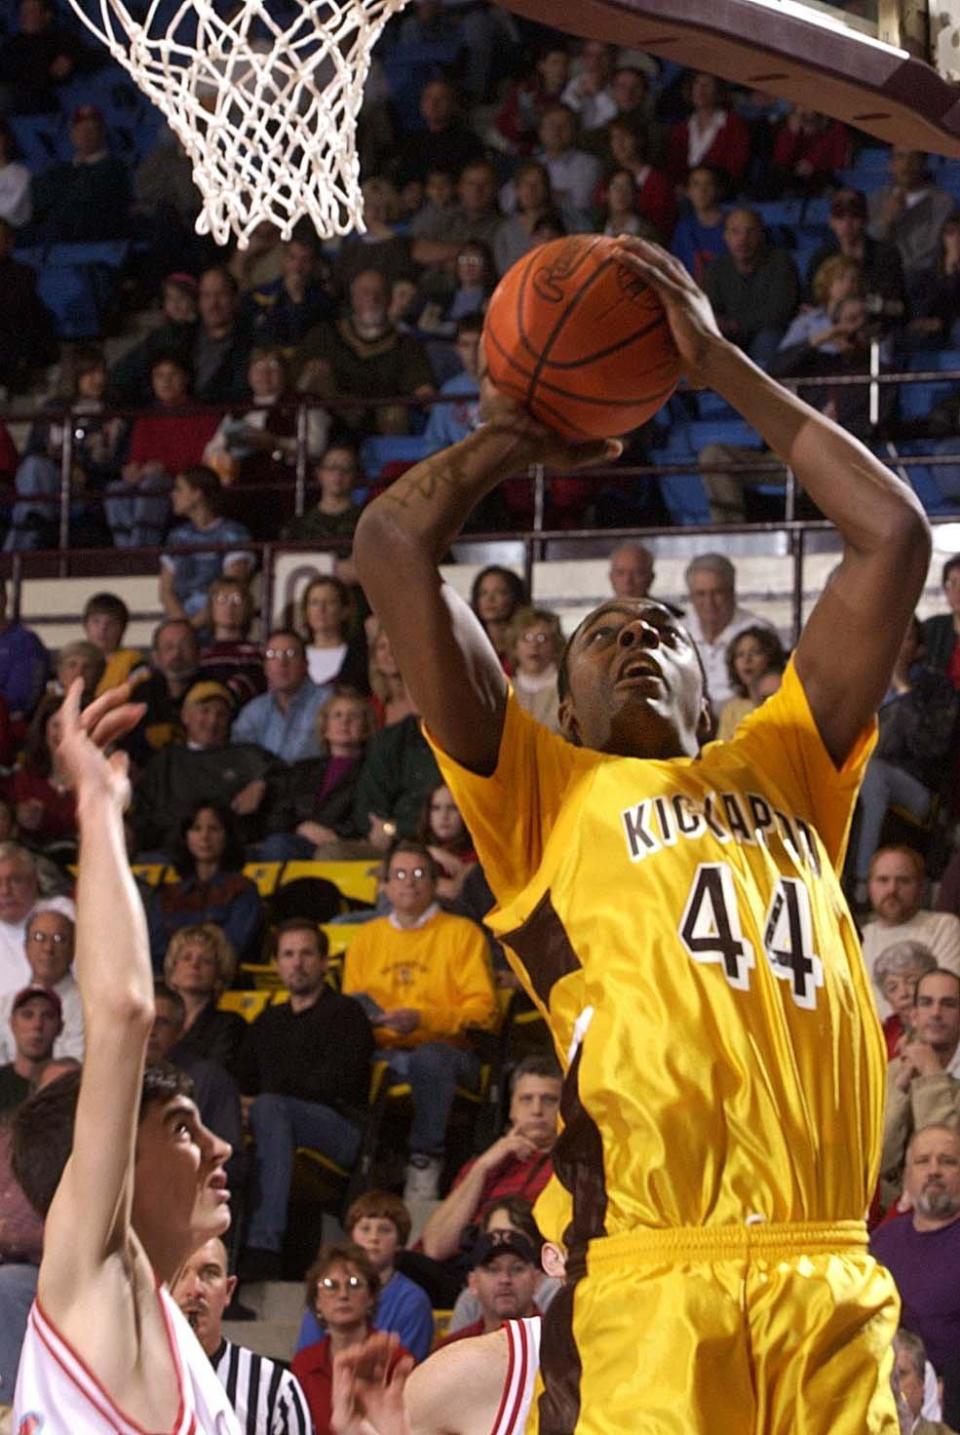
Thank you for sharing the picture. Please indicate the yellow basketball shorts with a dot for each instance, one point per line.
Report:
(748, 1330)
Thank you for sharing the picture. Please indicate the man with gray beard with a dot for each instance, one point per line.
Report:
(921, 1248)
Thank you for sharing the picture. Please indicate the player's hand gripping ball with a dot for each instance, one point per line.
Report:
(575, 335)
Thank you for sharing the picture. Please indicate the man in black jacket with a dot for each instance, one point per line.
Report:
(305, 1075)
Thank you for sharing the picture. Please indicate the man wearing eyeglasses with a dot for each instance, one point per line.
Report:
(48, 944)
(283, 719)
(423, 978)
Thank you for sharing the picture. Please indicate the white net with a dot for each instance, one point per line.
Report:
(264, 97)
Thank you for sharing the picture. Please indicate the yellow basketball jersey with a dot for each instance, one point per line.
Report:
(681, 926)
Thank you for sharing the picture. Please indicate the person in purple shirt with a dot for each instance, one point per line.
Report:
(379, 1223)
(921, 1248)
(24, 664)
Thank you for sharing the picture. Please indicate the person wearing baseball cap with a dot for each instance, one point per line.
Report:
(880, 261)
(35, 1019)
(205, 766)
(504, 1276)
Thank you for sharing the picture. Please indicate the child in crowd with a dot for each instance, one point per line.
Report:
(379, 1223)
(105, 619)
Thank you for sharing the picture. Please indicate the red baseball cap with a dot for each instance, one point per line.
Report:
(86, 112)
(28, 994)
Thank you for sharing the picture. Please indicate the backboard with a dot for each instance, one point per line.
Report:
(870, 71)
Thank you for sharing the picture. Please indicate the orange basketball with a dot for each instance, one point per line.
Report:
(576, 336)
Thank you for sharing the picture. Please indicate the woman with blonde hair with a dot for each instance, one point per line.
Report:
(836, 279)
(391, 701)
(535, 647)
(310, 804)
(199, 965)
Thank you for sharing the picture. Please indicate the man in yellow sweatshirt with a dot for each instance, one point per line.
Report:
(423, 978)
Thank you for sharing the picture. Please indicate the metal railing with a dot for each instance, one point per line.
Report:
(797, 534)
(534, 540)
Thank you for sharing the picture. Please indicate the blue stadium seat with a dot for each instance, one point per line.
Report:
(872, 159)
(923, 478)
(72, 300)
(683, 493)
(815, 213)
(916, 400)
(866, 180)
(112, 253)
(940, 359)
(808, 242)
(776, 211)
(721, 430)
(712, 406)
(77, 282)
(376, 452)
(34, 255)
(38, 139)
(676, 439)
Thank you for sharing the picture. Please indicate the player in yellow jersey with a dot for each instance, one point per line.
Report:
(676, 915)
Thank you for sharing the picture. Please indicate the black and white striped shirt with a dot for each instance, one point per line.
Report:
(267, 1398)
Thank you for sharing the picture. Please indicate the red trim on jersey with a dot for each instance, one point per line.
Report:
(506, 1424)
(521, 1389)
(506, 1385)
(51, 1337)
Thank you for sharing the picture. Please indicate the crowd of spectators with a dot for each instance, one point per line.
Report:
(303, 744)
(480, 156)
(267, 754)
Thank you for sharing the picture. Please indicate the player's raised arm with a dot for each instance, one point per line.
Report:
(90, 1212)
(448, 664)
(847, 650)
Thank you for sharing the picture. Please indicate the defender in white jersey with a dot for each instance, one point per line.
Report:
(116, 1158)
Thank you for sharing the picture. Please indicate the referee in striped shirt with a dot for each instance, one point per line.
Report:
(267, 1399)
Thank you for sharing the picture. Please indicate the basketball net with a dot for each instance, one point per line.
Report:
(267, 113)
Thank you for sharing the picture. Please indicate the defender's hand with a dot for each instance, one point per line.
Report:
(367, 1393)
(85, 736)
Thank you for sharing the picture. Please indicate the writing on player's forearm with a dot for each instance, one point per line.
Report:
(458, 467)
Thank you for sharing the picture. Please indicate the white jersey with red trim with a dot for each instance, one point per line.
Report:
(57, 1395)
(523, 1362)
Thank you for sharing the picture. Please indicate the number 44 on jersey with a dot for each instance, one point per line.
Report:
(711, 932)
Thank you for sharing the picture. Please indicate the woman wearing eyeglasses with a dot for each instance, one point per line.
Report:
(342, 1289)
(535, 646)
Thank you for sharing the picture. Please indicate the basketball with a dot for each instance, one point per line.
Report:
(577, 337)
